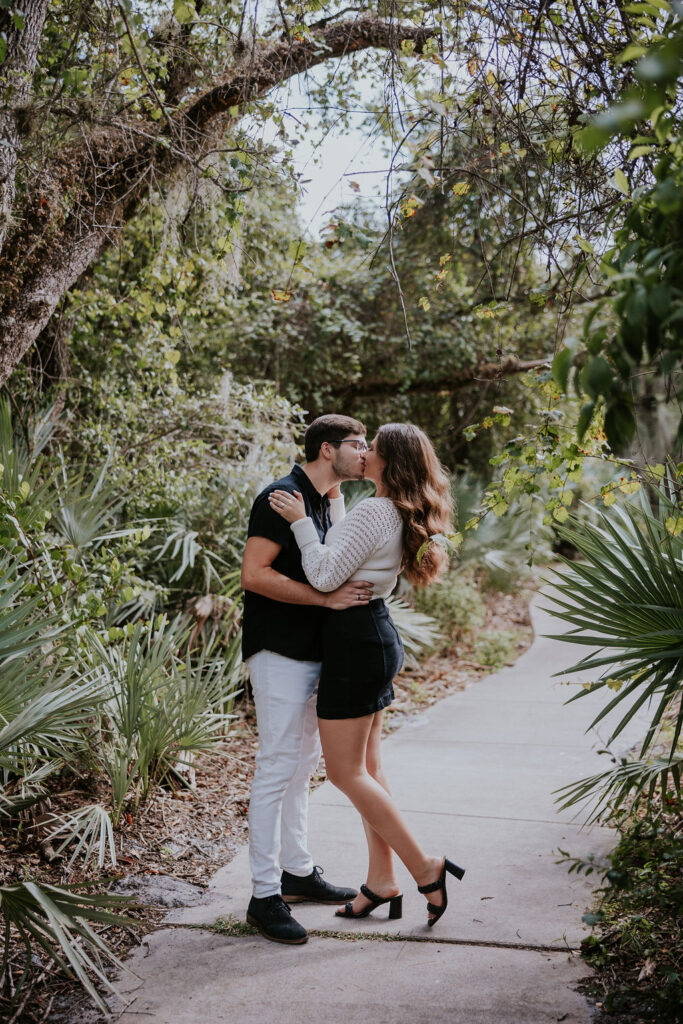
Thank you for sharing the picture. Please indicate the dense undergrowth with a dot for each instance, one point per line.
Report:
(637, 946)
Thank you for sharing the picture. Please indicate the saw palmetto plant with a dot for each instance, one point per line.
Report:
(59, 921)
(624, 600)
(160, 707)
(42, 710)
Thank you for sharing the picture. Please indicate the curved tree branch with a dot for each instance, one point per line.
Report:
(105, 178)
(457, 378)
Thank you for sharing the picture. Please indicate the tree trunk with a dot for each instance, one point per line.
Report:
(109, 175)
(16, 73)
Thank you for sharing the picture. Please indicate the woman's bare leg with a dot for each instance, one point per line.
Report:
(345, 745)
(381, 878)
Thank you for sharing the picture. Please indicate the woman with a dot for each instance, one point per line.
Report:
(362, 651)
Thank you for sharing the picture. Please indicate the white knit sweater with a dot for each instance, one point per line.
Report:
(365, 545)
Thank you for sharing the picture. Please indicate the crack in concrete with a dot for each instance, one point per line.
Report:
(234, 928)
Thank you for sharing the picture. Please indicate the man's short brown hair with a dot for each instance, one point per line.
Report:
(330, 428)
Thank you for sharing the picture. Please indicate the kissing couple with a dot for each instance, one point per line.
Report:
(322, 652)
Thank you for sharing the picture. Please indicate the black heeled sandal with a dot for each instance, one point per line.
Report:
(395, 905)
(440, 886)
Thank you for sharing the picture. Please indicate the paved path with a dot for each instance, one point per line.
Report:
(474, 776)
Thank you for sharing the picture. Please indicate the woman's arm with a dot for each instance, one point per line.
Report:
(259, 576)
(337, 508)
(362, 532)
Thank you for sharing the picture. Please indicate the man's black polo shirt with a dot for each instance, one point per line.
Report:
(292, 630)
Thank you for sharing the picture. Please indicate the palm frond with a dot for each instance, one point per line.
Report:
(59, 921)
(160, 704)
(625, 600)
(416, 629)
(27, 789)
(21, 630)
(50, 714)
(90, 828)
(85, 506)
(609, 790)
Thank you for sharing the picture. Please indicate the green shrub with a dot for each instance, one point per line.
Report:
(501, 549)
(637, 946)
(455, 603)
(495, 647)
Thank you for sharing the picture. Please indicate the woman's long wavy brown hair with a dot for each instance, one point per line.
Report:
(417, 484)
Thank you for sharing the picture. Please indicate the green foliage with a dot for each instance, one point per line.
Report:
(59, 921)
(417, 630)
(606, 792)
(455, 603)
(495, 647)
(500, 548)
(91, 682)
(160, 707)
(636, 947)
(321, 324)
(43, 707)
(639, 324)
(544, 472)
(626, 598)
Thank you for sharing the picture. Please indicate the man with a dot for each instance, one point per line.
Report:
(281, 646)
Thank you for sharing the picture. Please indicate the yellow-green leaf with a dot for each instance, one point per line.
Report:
(637, 151)
(621, 182)
(632, 51)
(674, 526)
(184, 11)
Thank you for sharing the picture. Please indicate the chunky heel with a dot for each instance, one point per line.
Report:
(435, 911)
(395, 905)
(396, 908)
(454, 869)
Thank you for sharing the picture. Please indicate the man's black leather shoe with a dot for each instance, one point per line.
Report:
(273, 919)
(313, 889)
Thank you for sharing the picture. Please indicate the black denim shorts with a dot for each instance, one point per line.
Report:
(362, 652)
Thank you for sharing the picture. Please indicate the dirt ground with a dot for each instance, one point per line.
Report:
(188, 834)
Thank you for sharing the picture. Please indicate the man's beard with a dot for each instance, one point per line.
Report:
(347, 473)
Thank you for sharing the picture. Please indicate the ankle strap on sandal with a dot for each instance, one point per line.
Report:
(432, 887)
(370, 895)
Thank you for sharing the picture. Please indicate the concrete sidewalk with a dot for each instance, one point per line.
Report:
(474, 776)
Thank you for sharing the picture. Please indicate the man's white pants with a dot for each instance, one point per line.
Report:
(285, 694)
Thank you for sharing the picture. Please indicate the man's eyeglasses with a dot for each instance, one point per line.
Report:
(360, 446)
